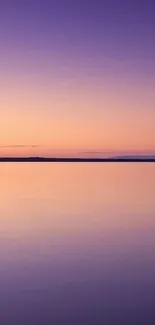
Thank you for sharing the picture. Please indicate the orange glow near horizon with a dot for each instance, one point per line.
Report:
(71, 119)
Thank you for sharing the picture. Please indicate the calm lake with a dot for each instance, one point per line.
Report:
(77, 243)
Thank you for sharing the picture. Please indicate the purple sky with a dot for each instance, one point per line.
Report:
(100, 52)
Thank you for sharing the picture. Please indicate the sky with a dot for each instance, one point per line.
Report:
(77, 77)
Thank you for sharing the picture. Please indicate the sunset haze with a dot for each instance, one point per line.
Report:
(77, 79)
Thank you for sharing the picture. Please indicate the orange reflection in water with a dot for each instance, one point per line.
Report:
(43, 199)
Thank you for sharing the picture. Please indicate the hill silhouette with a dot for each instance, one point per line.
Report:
(55, 159)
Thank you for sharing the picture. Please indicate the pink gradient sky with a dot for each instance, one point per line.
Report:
(76, 83)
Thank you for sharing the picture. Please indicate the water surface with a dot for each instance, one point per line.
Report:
(77, 243)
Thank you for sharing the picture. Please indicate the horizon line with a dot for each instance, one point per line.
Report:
(144, 158)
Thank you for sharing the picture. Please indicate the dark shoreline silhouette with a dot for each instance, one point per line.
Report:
(44, 159)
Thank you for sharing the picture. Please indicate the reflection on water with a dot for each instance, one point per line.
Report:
(77, 244)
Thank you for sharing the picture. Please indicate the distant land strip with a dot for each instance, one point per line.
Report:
(44, 159)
